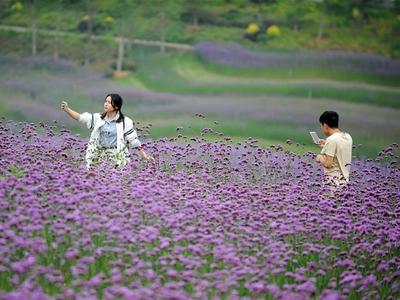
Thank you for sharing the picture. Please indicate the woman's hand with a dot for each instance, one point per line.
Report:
(64, 105)
(73, 114)
(150, 158)
(147, 157)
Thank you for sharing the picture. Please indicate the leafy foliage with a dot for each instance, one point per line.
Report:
(191, 21)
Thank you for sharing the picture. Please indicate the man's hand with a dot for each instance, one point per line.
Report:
(325, 160)
(321, 143)
(64, 105)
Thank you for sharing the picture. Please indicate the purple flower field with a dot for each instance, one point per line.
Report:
(207, 221)
(237, 56)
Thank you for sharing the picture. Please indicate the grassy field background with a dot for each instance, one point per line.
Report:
(274, 106)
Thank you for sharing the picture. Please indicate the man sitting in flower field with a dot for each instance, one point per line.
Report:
(335, 155)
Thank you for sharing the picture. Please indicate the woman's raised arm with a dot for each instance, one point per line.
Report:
(73, 114)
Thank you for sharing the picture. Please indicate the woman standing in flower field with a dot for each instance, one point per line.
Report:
(112, 133)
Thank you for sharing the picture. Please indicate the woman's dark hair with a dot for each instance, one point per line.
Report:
(116, 102)
(330, 118)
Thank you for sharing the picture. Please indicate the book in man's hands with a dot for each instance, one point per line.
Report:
(315, 137)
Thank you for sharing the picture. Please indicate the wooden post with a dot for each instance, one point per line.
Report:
(55, 53)
(260, 14)
(55, 48)
(89, 33)
(162, 37)
(322, 21)
(34, 33)
(120, 54)
(195, 19)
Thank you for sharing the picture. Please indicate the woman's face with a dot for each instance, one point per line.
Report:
(108, 107)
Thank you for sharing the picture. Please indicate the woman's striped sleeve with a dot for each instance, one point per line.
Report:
(132, 138)
(87, 119)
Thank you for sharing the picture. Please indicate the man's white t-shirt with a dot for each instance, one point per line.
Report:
(338, 145)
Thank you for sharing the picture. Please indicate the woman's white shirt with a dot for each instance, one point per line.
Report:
(126, 134)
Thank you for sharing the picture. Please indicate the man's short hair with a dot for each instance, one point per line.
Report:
(330, 118)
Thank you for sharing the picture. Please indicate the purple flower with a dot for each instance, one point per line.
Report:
(209, 219)
(22, 265)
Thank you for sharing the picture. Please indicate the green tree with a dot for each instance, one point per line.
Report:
(322, 20)
(193, 8)
(295, 11)
(169, 19)
(261, 6)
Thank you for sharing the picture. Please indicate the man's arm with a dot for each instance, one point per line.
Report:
(325, 160)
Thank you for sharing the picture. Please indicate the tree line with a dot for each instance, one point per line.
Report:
(170, 20)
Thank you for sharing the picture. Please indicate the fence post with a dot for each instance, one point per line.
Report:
(120, 58)
(88, 43)
(162, 37)
(322, 20)
(55, 53)
(34, 33)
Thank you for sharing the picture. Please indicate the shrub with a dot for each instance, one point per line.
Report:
(109, 20)
(127, 65)
(213, 33)
(252, 28)
(356, 13)
(17, 6)
(109, 73)
(273, 31)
